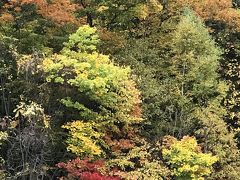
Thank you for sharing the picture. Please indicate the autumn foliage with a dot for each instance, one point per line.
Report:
(59, 11)
(218, 10)
(120, 89)
(87, 170)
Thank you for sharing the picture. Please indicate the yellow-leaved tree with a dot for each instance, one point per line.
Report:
(186, 160)
(106, 95)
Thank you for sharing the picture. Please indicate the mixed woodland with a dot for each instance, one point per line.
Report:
(119, 89)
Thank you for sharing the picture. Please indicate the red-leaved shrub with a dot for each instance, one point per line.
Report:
(86, 170)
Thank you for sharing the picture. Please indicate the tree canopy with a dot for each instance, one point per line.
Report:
(138, 90)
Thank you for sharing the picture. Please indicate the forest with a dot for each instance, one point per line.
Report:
(120, 90)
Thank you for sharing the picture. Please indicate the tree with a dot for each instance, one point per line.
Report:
(38, 25)
(186, 159)
(204, 89)
(27, 148)
(222, 17)
(172, 72)
(8, 76)
(210, 10)
(106, 96)
(215, 137)
(60, 11)
(186, 91)
(118, 15)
